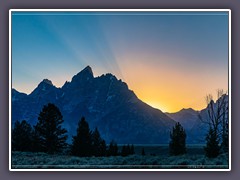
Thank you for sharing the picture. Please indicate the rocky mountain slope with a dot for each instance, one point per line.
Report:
(104, 101)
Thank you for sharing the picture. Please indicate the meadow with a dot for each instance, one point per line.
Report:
(156, 157)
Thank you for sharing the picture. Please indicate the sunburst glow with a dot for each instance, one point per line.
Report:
(171, 61)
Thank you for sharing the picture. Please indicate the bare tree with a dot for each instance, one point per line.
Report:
(217, 113)
(217, 121)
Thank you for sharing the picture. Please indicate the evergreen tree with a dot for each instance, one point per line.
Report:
(177, 145)
(225, 133)
(22, 136)
(82, 142)
(102, 148)
(225, 141)
(36, 142)
(48, 130)
(113, 149)
(212, 148)
(98, 144)
(127, 150)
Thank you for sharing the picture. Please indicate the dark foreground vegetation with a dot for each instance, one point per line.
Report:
(156, 156)
(45, 145)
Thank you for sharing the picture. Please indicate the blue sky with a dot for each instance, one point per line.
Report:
(171, 50)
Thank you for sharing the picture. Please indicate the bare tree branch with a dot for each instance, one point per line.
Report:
(216, 112)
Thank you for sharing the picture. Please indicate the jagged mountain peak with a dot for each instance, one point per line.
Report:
(47, 81)
(88, 69)
(108, 76)
(220, 100)
(84, 75)
(44, 86)
(105, 102)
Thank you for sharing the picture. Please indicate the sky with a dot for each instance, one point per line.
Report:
(171, 60)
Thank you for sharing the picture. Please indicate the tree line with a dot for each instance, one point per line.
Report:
(50, 137)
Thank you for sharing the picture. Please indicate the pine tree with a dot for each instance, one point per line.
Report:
(36, 142)
(102, 148)
(127, 150)
(225, 141)
(177, 145)
(98, 144)
(82, 142)
(96, 139)
(225, 132)
(113, 149)
(22, 136)
(48, 130)
(212, 148)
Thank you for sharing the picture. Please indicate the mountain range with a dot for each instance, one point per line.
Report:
(108, 104)
(192, 121)
(105, 102)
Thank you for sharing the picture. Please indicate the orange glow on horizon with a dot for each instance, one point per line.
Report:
(170, 61)
(171, 88)
(167, 87)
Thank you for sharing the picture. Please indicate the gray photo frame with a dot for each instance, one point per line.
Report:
(176, 167)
